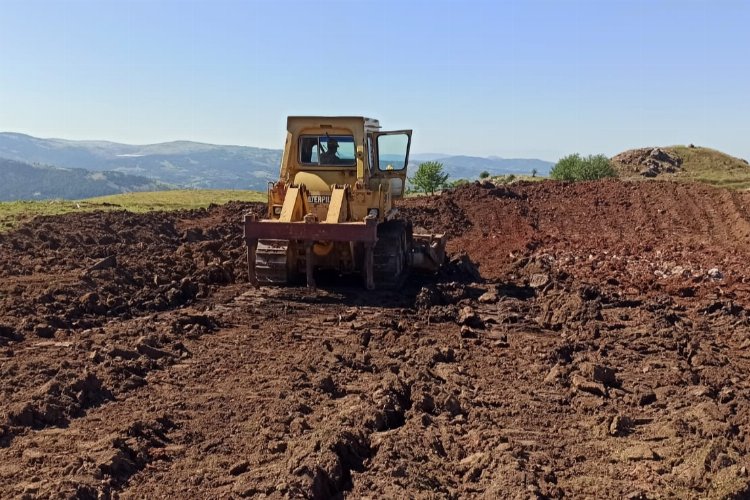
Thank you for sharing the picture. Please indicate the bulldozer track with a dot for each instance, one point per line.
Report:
(271, 262)
(390, 267)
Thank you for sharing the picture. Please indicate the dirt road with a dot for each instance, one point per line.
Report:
(600, 347)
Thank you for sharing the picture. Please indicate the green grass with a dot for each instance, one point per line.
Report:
(13, 213)
(176, 200)
(713, 167)
(512, 178)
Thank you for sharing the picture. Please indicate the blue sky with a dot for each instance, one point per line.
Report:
(508, 78)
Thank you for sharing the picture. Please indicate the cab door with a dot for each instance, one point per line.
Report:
(391, 154)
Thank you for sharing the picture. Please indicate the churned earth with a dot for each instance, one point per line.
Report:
(585, 340)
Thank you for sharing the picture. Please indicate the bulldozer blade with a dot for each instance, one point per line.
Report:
(267, 242)
(365, 232)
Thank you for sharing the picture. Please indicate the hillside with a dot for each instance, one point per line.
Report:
(22, 181)
(690, 163)
(182, 163)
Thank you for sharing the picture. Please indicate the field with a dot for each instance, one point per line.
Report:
(14, 212)
(585, 340)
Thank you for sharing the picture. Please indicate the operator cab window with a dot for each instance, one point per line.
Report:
(327, 150)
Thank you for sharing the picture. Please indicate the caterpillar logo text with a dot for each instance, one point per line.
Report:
(319, 198)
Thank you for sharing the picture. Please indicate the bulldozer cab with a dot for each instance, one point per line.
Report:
(325, 151)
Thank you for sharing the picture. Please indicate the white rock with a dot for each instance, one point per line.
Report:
(714, 273)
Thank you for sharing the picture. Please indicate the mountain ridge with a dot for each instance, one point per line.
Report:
(192, 164)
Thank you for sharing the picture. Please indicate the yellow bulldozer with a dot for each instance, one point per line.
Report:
(332, 208)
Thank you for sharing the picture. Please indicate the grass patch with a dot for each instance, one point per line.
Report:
(176, 200)
(513, 178)
(13, 213)
(713, 167)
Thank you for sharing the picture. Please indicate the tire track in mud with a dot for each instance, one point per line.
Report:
(739, 216)
(713, 225)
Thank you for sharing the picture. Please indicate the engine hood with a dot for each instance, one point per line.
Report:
(320, 182)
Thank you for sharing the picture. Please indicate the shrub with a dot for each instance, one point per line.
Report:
(456, 183)
(505, 179)
(576, 168)
(484, 175)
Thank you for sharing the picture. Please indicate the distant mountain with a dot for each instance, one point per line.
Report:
(22, 181)
(198, 165)
(422, 157)
(182, 163)
(468, 167)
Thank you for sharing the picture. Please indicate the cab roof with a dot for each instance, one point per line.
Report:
(368, 123)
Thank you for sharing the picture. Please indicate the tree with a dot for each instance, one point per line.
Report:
(429, 177)
(484, 175)
(576, 168)
(534, 172)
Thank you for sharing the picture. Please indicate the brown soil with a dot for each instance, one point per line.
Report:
(600, 350)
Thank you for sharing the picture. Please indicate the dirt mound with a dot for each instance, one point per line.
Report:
(653, 231)
(583, 338)
(446, 213)
(648, 162)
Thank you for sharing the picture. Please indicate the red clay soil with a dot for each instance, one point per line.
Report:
(601, 350)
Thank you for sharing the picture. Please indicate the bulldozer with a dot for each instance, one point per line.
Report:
(333, 208)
